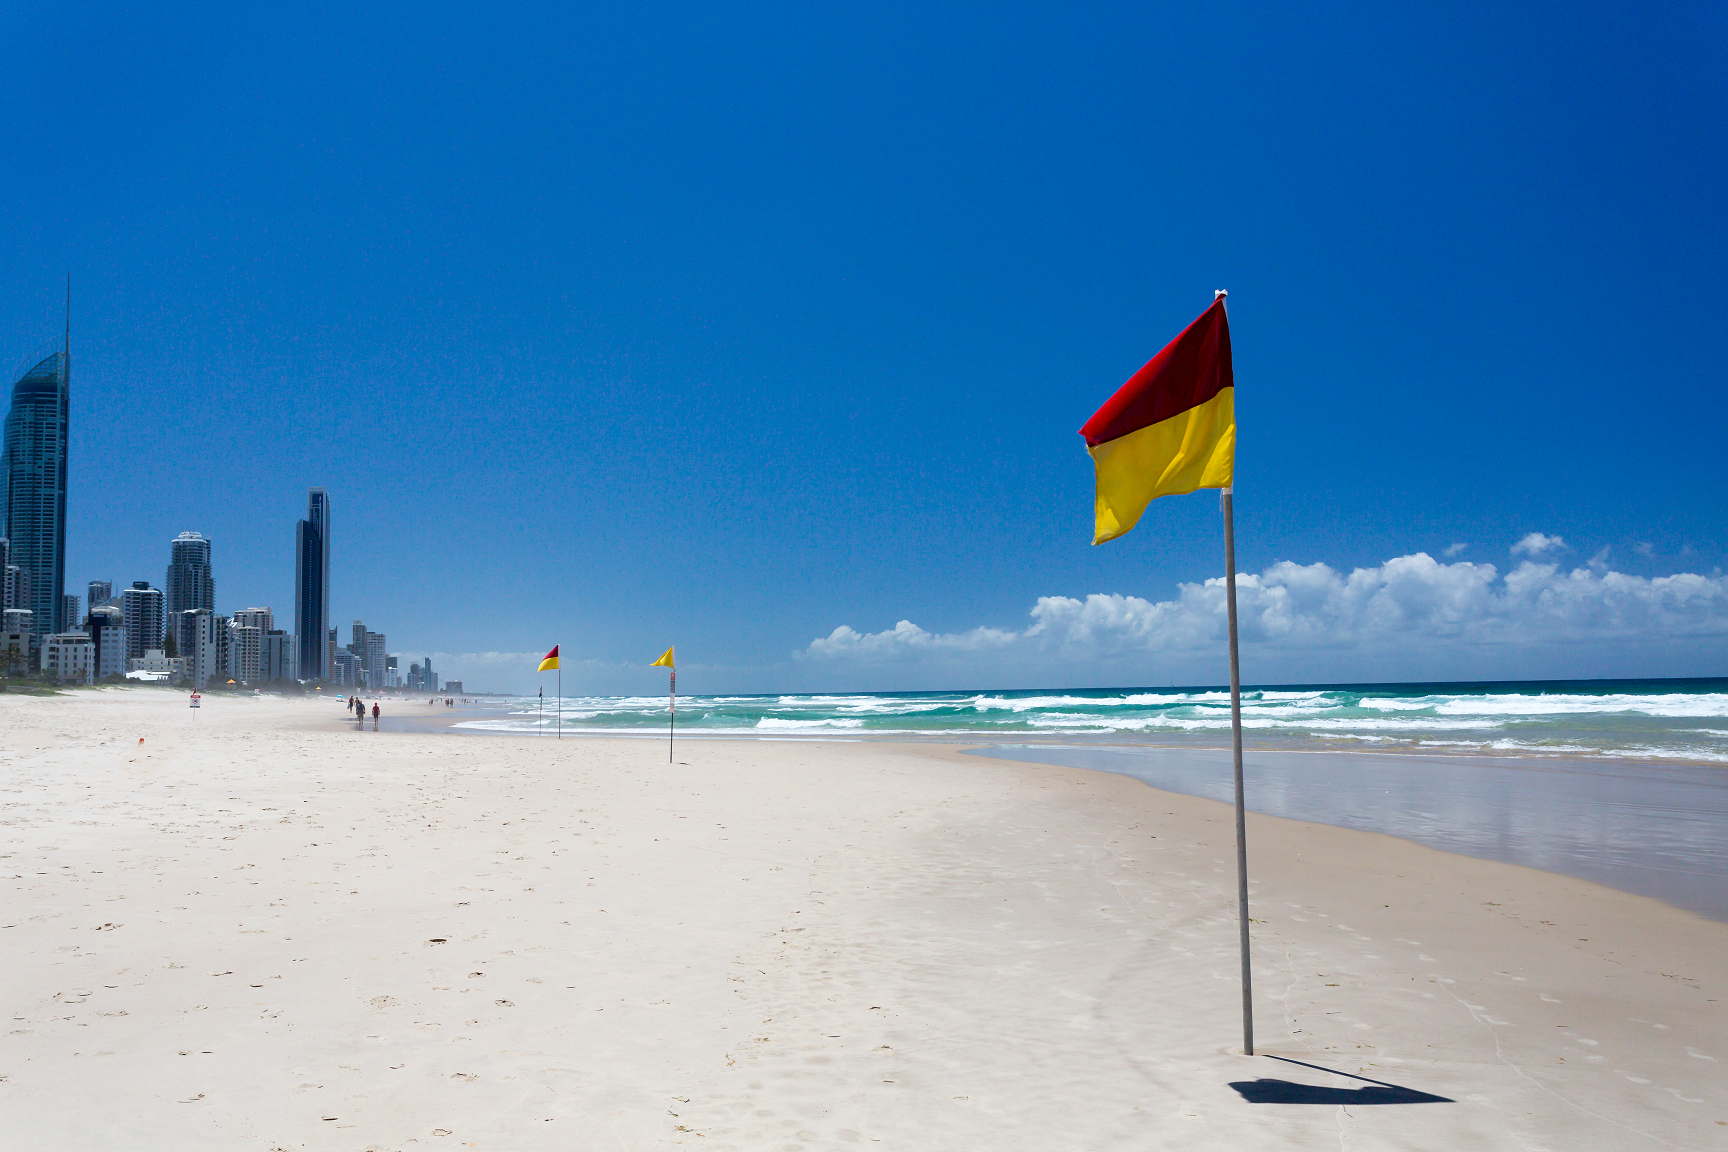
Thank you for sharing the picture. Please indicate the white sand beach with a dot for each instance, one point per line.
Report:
(257, 927)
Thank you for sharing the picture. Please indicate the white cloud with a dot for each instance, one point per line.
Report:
(905, 637)
(1454, 549)
(1536, 543)
(1410, 617)
(1645, 548)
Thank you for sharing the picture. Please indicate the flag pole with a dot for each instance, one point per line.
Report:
(560, 699)
(672, 716)
(1225, 499)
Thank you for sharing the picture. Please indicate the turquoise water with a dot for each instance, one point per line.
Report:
(1683, 720)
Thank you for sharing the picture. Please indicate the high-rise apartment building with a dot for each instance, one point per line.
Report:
(312, 586)
(107, 630)
(101, 591)
(375, 661)
(428, 678)
(141, 608)
(69, 612)
(280, 652)
(262, 619)
(35, 463)
(195, 634)
(190, 585)
(245, 651)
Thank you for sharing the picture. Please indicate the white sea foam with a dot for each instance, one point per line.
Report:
(1669, 705)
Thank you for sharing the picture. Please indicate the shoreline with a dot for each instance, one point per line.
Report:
(508, 945)
(1622, 837)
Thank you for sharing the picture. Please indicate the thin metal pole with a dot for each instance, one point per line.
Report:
(1225, 500)
(560, 699)
(672, 717)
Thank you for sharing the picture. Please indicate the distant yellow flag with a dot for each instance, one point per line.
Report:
(664, 661)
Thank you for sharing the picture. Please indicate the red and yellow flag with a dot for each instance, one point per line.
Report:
(550, 662)
(1169, 430)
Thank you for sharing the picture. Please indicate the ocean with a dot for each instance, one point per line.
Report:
(1663, 720)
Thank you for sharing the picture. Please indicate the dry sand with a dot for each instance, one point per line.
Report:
(264, 929)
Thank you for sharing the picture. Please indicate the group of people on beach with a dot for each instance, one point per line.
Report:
(358, 706)
(449, 701)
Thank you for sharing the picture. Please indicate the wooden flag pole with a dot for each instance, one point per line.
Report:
(1225, 500)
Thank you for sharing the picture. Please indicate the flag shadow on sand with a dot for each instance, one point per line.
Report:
(1266, 1091)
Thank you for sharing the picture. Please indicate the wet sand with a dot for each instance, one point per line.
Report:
(1650, 827)
(264, 928)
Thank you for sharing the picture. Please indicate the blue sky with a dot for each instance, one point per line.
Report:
(735, 326)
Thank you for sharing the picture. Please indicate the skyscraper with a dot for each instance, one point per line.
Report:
(35, 454)
(69, 611)
(312, 586)
(101, 591)
(190, 584)
(375, 658)
(141, 610)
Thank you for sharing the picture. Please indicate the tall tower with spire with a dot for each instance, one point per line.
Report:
(35, 469)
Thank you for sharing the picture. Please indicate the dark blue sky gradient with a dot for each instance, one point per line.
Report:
(725, 327)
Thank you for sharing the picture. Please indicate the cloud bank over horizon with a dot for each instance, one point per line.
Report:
(1411, 618)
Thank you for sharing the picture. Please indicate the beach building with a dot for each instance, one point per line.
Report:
(392, 675)
(428, 678)
(195, 637)
(107, 632)
(190, 584)
(277, 661)
(17, 641)
(263, 619)
(69, 615)
(246, 632)
(376, 660)
(100, 593)
(246, 652)
(453, 687)
(68, 656)
(220, 626)
(346, 669)
(142, 611)
(155, 666)
(35, 462)
(312, 586)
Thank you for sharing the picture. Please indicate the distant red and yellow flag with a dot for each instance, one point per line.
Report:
(1170, 429)
(551, 660)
